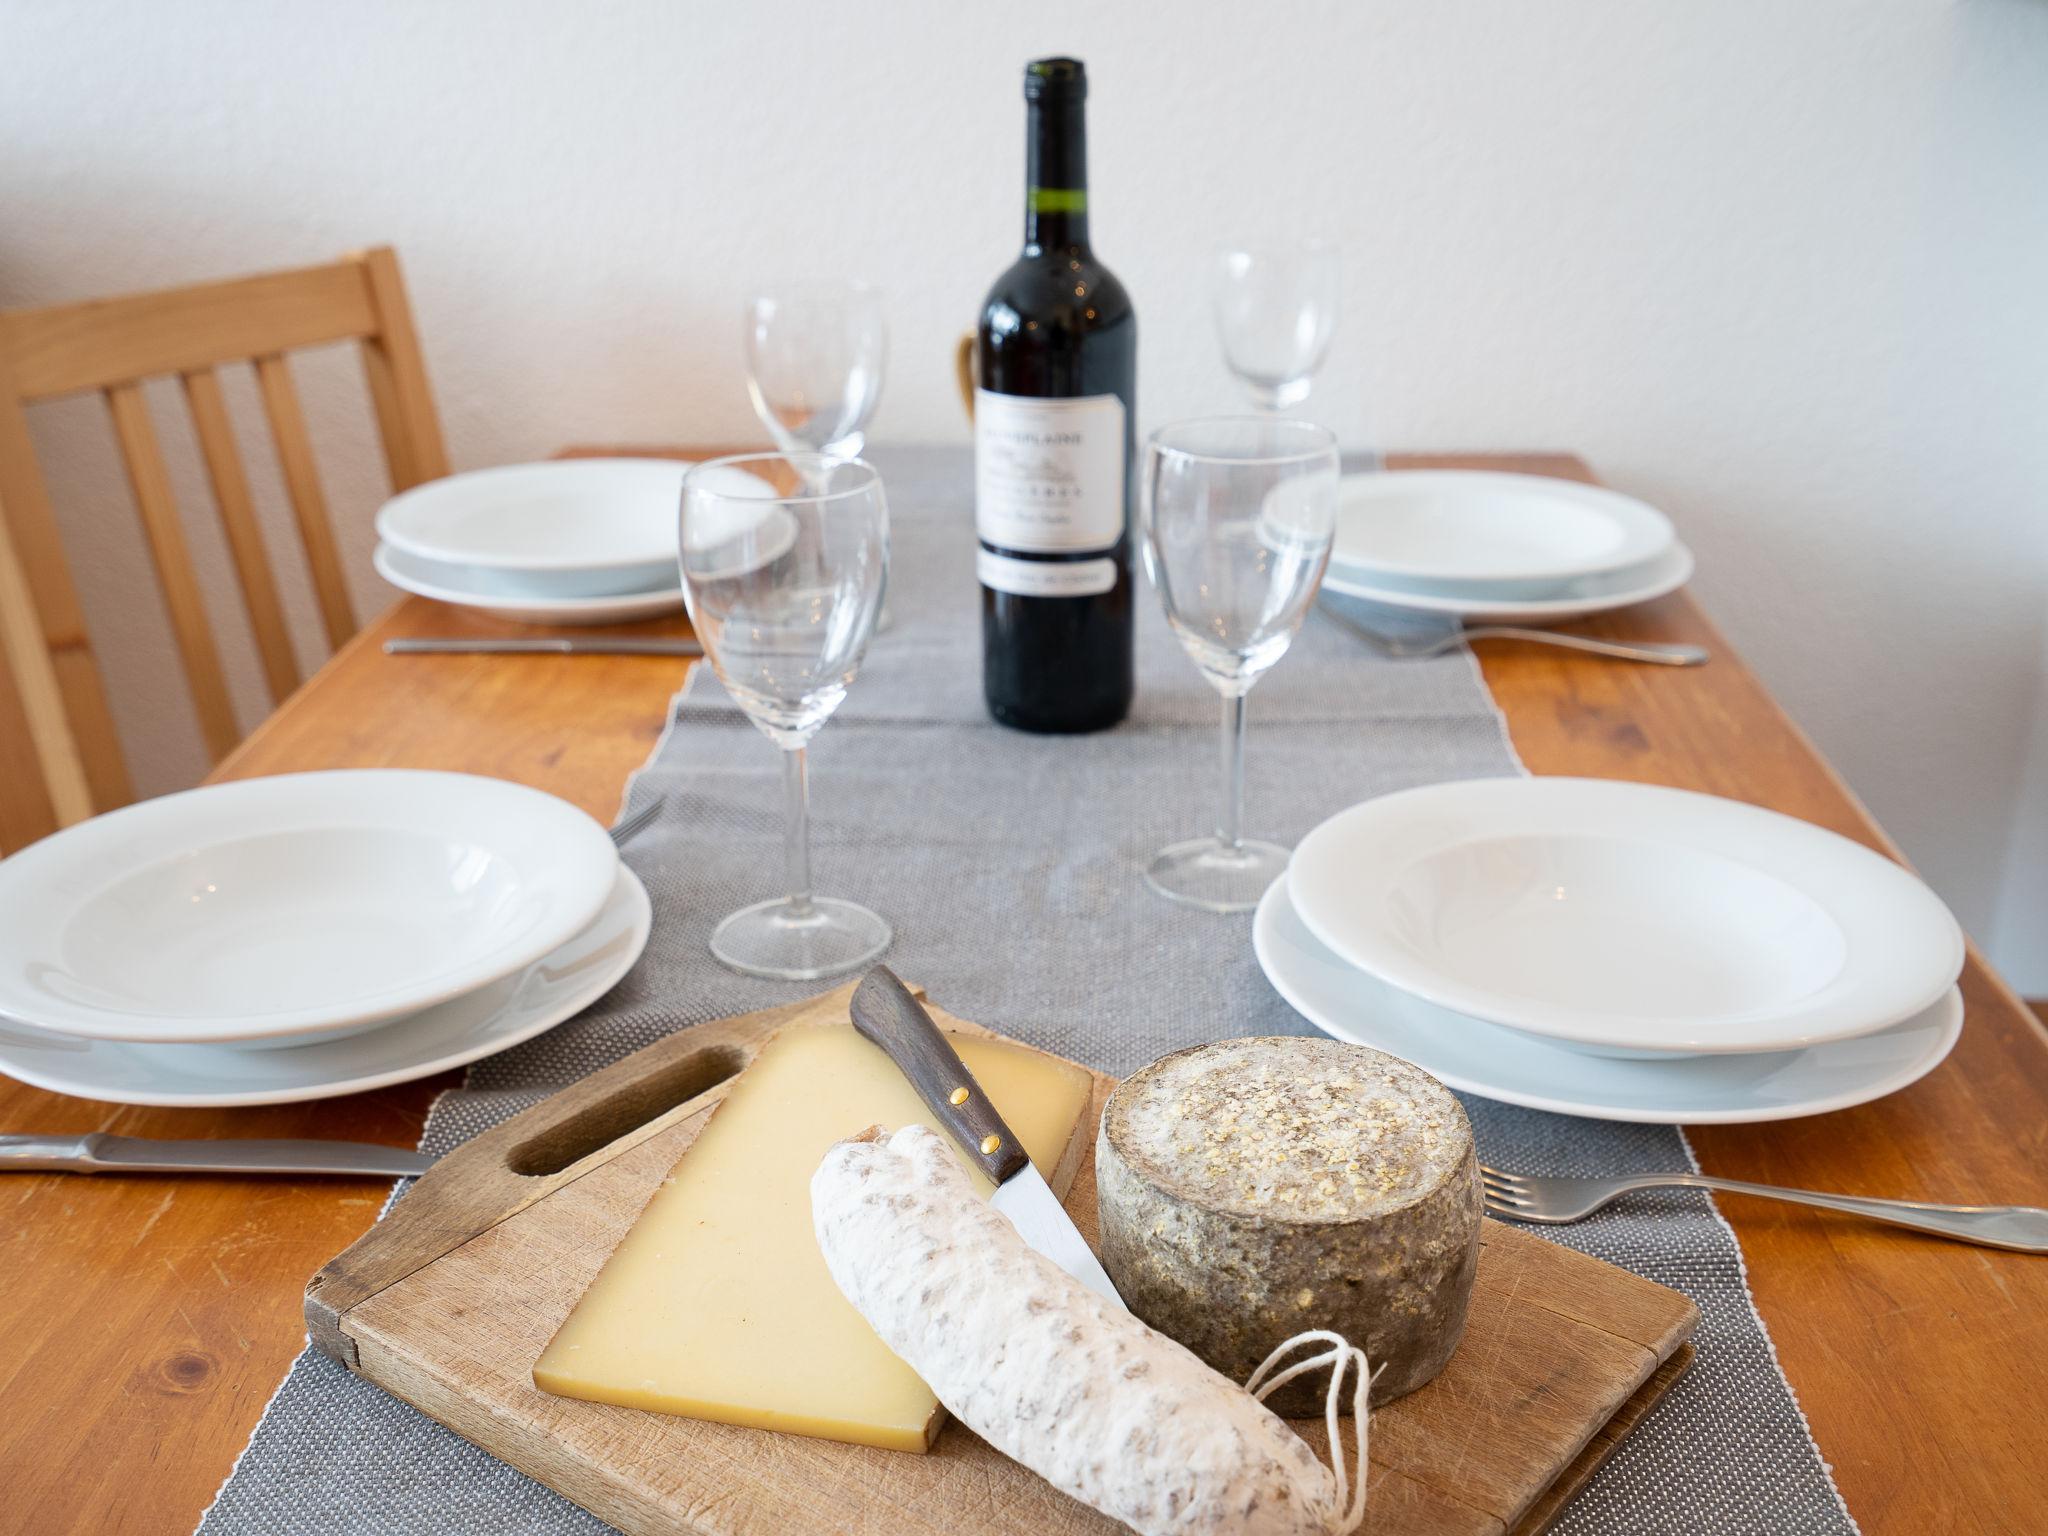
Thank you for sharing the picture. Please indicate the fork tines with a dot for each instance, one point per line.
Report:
(1505, 1193)
(640, 818)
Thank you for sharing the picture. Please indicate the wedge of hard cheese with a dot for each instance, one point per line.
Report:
(717, 1305)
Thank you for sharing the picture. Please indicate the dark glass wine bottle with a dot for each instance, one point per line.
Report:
(1053, 424)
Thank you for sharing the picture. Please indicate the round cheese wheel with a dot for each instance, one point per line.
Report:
(1251, 1189)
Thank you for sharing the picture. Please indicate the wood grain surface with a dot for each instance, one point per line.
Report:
(148, 1320)
(449, 1301)
(117, 345)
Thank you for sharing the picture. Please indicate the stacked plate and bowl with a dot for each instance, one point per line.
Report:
(572, 541)
(1620, 951)
(312, 934)
(1488, 548)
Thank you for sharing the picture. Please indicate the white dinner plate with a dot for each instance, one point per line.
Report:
(1460, 525)
(1573, 599)
(471, 587)
(1625, 916)
(1515, 1068)
(452, 1034)
(566, 528)
(281, 909)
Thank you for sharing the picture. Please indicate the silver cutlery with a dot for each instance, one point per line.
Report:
(1422, 639)
(97, 1152)
(1555, 1201)
(552, 646)
(629, 825)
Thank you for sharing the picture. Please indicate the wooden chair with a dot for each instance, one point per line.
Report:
(60, 759)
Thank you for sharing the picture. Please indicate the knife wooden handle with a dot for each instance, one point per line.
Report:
(884, 1011)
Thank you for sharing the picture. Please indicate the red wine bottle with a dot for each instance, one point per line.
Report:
(1054, 418)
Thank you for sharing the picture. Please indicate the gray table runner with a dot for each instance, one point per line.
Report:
(1008, 865)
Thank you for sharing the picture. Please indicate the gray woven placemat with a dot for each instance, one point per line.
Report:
(1009, 867)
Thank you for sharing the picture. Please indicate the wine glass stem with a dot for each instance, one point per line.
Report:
(796, 846)
(1231, 831)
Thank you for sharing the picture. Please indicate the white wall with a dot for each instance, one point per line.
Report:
(2019, 936)
(1777, 267)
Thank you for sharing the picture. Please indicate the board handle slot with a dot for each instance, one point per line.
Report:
(596, 1125)
(500, 1172)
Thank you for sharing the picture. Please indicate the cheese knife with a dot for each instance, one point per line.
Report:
(97, 1152)
(885, 1012)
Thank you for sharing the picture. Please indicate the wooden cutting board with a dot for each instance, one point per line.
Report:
(449, 1300)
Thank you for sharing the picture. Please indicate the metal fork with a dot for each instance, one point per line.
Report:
(1430, 639)
(633, 823)
(1555, 1201)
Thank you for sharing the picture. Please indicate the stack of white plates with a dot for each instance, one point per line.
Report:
(307, 935)
(1496, 548)
(1620, 951)
(572, 541)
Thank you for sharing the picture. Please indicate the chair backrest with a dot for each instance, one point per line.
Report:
(54, 717)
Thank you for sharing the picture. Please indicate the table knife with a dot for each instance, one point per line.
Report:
(97, 1152)
(885, 1012)
(556, 646)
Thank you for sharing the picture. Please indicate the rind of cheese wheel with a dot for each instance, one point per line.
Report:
(1250, 1189)
(1045, 1370)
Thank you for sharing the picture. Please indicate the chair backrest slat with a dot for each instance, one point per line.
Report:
(37, 753)
(39, 554)
(114, 346)
(397, 374)
(216, 435)
(151, 483)
(309, 501)
(25, 809)
(66, 348)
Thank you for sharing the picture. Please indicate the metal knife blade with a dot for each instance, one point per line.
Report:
(98, 1152)
(559, 646)
(1036, 1213)
(885, 1012)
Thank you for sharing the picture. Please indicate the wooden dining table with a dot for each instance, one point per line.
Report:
(145, 1321)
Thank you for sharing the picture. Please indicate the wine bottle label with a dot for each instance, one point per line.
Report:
(1048, 474)
(1044, 578)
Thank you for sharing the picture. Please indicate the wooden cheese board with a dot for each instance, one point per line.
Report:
(449, 1300)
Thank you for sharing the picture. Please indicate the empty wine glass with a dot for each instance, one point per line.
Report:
(1275, 311)
(785, 558)
(1238, 515)
(815, 357)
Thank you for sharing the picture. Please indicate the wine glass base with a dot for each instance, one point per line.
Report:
(827, 937)
(1211, 874)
